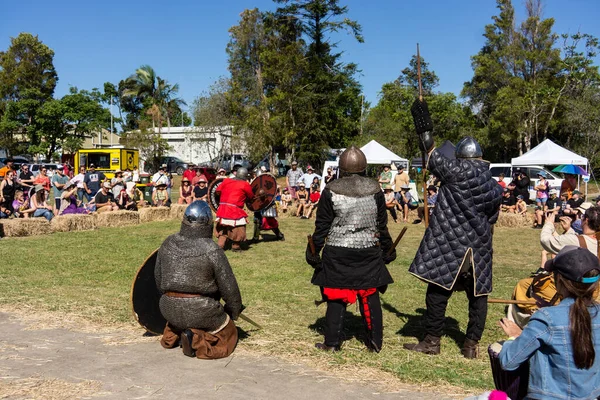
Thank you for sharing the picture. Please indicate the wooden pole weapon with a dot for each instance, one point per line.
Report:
(425, 206)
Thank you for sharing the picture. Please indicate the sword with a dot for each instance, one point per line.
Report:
(397, 240)
(245, 318)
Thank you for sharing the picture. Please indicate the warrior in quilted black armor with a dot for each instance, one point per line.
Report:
(194, 275)
(351, 229)
(456, 251)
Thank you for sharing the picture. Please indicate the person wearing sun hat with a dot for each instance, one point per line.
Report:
(186, 192)
(560, 342)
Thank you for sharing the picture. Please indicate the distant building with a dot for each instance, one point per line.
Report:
(101, 139)
(199, 144)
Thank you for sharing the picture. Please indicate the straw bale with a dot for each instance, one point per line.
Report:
(118, 218)
(509, 220)
(19, 227)
(150, 214)
(74, 222)
(177, 211)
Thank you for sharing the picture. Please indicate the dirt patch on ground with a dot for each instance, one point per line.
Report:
(47, 389)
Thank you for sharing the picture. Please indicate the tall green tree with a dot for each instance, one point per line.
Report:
(27, 80)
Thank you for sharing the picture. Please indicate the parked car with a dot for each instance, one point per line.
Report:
(228, 162)
(36, 168)
(282, 166)
(175, 165)
(18, 161)
(531, 171)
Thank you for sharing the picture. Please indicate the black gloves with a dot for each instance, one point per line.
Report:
(313, 260)
(233, 314)
(423, 125)
(389, 258)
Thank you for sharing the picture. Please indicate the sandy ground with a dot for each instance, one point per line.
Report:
(51, 361)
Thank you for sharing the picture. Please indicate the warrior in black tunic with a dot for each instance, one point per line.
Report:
(351, 229)
(456, 251)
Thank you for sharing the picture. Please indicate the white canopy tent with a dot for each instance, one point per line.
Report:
(549, 153)
(378, 154)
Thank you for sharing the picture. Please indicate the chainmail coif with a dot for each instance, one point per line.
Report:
(191, 262)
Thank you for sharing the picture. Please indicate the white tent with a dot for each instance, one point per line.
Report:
(378, 154)
(549, 153)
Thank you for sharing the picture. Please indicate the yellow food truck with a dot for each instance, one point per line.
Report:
(107, 160)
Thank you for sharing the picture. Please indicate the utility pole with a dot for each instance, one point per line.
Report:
(362, 100)
(111, 122)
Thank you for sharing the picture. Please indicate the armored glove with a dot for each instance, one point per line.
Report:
(423, 124)
(389, 258)
(313, 259)
(233, 314)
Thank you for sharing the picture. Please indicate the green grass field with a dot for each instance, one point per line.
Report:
(89, 274)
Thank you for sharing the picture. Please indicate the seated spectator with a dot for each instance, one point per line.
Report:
(39, 203)
(406, 201)
(391, 203)
(286, 200)
(521, 205)
(136, 196)
(186, 192)
(43, 179)
(574, 202)
(201, 191)
(560, 343)
(577, 223)
(8, 187)
(117, 184)
(221, 173)
(104, 199)
(70, 203)
(315, 196)
(302, 197)
(501, 181)
(125, 202)
(20, 205)
(316, 183)
(431, 199)
(552, 204)
(160, 197)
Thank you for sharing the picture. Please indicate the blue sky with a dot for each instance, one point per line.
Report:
(185, 41)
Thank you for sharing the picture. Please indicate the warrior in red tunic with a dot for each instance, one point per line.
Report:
(231, 217)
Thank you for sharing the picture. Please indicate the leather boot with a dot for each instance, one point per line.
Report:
(470, 349)
(324, 347)
(429, 345)
(187, 337)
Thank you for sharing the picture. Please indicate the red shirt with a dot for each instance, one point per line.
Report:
(314, 197)
(190, 174)
(502, 183)
(234, 194)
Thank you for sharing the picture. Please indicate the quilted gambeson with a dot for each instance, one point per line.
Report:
(460, 226)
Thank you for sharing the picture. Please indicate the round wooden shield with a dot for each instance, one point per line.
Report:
(264, 188)
(213, 199)
(145, 298)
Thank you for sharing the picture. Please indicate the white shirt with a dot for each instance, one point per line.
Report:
(78, 180)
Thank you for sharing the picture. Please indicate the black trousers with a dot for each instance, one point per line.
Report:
(393, 213)
(370, 310)
(437, 301)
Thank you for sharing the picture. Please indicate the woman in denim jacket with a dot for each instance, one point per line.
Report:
(560, 367)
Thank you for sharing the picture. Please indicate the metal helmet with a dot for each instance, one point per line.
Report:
(242, 173)
(198, 213)
(353, 160)
(468, 147)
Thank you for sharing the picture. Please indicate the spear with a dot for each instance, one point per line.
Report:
(425, 206)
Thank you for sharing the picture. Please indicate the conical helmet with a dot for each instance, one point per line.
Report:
(353, 160)
(468, 147)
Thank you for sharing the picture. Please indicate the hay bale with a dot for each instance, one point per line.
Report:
(177, 211)
(118, 218)
(509, 220)
(20, 227)
(75, 222)
(150, 214)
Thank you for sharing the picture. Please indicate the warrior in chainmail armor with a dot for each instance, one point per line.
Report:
(456, 250)
(194, 275)
(266, 219)
(351, 229)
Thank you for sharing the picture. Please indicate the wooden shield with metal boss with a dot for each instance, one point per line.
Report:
(264, 188)
(213, 199)
(145, 298)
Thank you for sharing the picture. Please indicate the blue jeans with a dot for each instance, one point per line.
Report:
(43, 212)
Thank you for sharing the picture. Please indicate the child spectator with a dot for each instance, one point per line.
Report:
(521, 205)
(186, 193)
(315, 196)
(501, 181)
(20, 205)
(286, 200)
(39, 203)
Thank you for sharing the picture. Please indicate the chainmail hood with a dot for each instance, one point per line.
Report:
(354, 186)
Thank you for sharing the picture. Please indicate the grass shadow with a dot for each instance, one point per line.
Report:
(243, 334)
(415, 324)
(353, 327)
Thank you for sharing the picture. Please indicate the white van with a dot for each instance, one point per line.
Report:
(531, 171)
